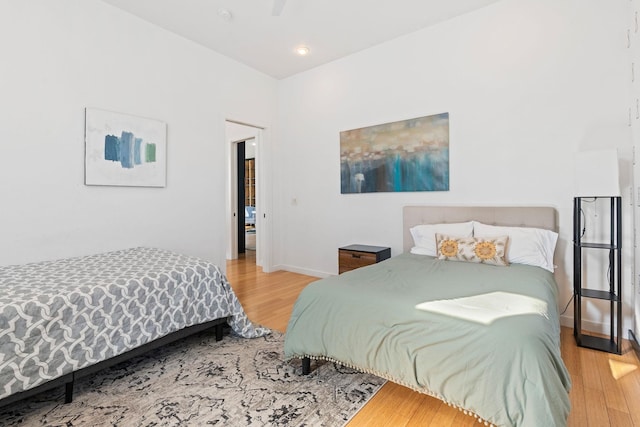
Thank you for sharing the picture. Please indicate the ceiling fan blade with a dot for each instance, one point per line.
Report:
(278, 5)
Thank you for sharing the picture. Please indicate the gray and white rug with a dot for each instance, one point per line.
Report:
(200, 382)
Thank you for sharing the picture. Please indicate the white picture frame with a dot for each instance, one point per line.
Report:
(124, 150)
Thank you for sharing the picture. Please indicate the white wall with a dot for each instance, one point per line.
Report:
(633, 33)
(527, 83)
(60, 57)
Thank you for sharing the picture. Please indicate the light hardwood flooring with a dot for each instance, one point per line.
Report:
(598, 399)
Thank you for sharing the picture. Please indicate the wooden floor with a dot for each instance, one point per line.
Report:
(598, 399)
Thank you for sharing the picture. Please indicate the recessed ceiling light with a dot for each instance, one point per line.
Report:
(302, 50)
(225, 14)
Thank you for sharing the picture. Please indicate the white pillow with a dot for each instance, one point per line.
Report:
(424, 235)
(527, 245)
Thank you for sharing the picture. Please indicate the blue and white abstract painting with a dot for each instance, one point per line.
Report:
(121, 149)
(409, 155)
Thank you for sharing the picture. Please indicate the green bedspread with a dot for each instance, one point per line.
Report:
(508, 372)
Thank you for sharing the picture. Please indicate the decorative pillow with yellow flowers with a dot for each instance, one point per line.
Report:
(485, 250)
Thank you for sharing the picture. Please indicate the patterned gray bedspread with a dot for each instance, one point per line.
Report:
(60, 316)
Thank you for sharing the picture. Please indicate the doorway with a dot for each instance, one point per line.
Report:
(247, 206)
(246, 185)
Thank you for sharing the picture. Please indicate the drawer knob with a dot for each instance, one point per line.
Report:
(355, 256)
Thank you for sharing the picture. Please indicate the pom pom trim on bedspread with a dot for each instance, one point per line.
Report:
(402, 383)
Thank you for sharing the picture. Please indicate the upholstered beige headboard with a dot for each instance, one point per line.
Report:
(520, 216)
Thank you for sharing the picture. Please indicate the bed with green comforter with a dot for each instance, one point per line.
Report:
(505, 369)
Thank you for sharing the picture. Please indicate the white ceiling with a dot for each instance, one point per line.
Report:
(330, 28)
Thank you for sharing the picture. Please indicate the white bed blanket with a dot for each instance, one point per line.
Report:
(486, 308)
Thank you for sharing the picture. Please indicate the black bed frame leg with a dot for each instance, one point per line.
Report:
(219, 332)
(68, 392)
(306, 366)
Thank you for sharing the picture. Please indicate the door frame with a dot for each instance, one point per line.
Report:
(263, 200)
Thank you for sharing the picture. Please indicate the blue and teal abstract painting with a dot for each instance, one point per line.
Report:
(121, 149)
(409, 155)
(127, 150)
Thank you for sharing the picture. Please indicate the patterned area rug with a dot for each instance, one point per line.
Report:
(198, 382)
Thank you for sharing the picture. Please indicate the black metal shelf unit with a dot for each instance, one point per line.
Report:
(612, 344)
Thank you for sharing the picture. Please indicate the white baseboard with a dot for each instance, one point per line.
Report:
(566, 321)
(305, 271)
(587, 325)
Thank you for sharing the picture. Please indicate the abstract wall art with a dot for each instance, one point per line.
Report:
(124, 150)
(408, 155)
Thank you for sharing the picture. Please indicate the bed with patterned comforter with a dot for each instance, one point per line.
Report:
(58, 317)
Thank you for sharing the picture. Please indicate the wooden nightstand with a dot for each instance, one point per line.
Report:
(356, 256)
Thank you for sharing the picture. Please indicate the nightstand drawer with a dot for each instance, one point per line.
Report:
(356, 256)
(351, 259)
